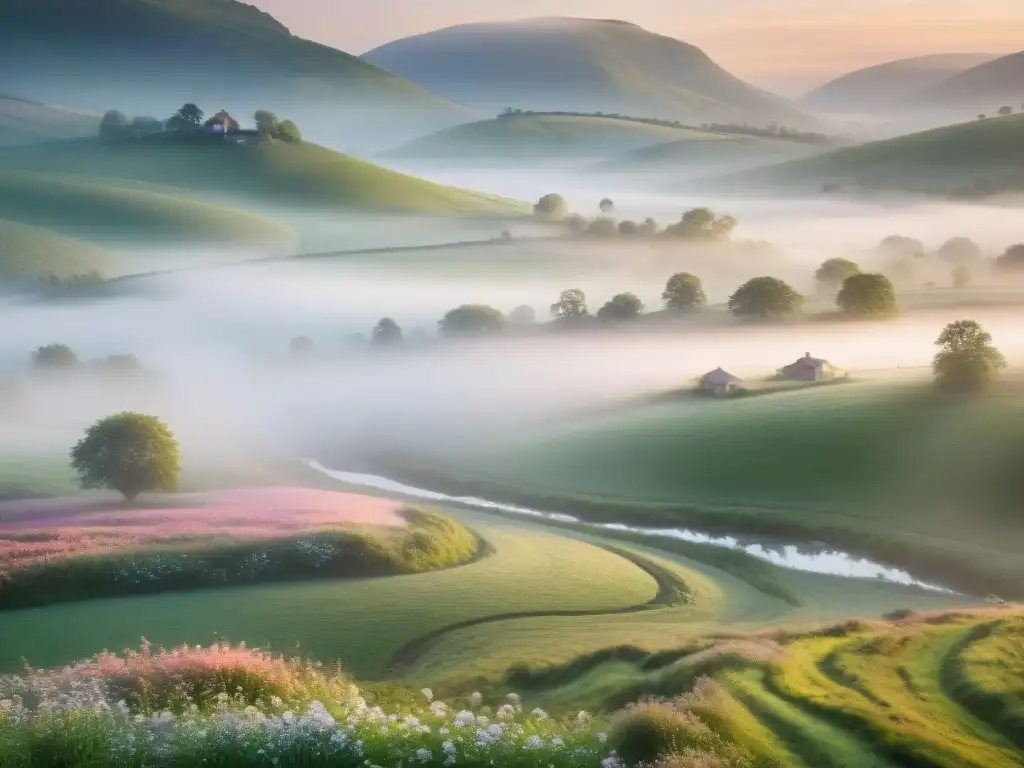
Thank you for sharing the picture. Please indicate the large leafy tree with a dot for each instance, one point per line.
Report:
(113, 125)
(765, 297)
(868, 296)
(960, 251)
(702, 224)
(266, 121)
(683, 292)
(128, 452)
(552, 206)
(472, 320)
(967, 361)
(288, 132)
(190, 114)
(387, 333)
(895, 247)
(622, 306)
(832, 272)
(523, 315)
(54, 357)
(1012, 259)
(570, 307)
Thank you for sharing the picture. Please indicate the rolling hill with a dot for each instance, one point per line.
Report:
(150, 56)
(29, 253)
(953, 159)
(26, 122)
(579, 65)
(880, 88)
(542, 136)
(981, 89)
(279, 174)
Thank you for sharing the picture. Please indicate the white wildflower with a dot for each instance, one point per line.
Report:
(602, 738)
(558, 742)
(439, 709)
(482, 721)
(424, 755)
(448, 747)
(476, 698)
(539, 714)
(611, 762)
(513, 699)
(582, 719)
(505, 712)
(427, 694)
(465, 718)
(442, 731)
(275, 701)
(288, 717)
(411, 721)
(6, 705)
(533, 742)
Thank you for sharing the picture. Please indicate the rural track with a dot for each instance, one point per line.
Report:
(670, 591)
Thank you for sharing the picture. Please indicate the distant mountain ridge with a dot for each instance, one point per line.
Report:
(580, 65)
(152, 55)
(880, 87)
(983, 88)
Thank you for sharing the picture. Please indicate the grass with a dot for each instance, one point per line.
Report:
(89, 208)
(430, 542)
(296, 174)
(30, 253)
(363, 622)
(546, 137)
(940, 160)
(862, 466)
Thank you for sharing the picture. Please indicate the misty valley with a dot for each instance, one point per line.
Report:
(530, 393)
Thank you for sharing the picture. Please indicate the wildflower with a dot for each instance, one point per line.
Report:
(602, 738)
(442, 731)
(427, 694)
(582, 719)
(424, 755)
(411, 722)
(558, 742)
(539, 714)
(482, 721)
(505, 712)
(612, 761)
(288, 717)
(448, 747)
(535, 742)
(465, 718)
(439, 709)
(275, 701)
(513, 699)
(476, 698)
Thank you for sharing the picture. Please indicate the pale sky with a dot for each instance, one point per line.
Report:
(787, 45)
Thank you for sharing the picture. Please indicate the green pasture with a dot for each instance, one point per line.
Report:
(28, 253)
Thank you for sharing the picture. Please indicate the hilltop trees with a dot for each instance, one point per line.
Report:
(960, 251)
(472, 320)
(683, 292)
(571, 307)
(832, 272)
(868, 296)
(266, 122)
(552, 206)
(622, 306)
(288, 132)
(190, 115)
(386, 333)
(129, 453)
(967, 361)
(765, 298)
(701, 224)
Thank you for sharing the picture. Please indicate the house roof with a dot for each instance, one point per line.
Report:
(810, 362)
(719, 376)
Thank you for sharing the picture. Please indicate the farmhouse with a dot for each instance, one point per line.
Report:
(719, 382)
(809, 368)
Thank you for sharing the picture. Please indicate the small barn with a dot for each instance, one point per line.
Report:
(720, 382)
(809, 368)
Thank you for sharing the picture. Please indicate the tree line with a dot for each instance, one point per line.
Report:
(190, 118)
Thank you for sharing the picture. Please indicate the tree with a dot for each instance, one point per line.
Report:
(266, 122)
(702, 224)
(982, 116)
(1012, 259)
(288, 132)
(683, 292)
(628, 228)
(522, 315)
(471, 320)
(868, 296)
(190, 115)
(552, 206)
(113, 125)
(833, 272)
(648, 229)
(602, 228)
(129, 453)
(576, 223)
(765, 297)
(607, 205)
(622, 306)
(301, 347)
(897, 247)
(387, 333)
(967, 361)
(146, 126)
(54, 357)
(960, 251)
(961, 276)
(1006, 110)
(570, 307)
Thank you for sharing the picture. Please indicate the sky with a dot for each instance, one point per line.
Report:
(787, 45)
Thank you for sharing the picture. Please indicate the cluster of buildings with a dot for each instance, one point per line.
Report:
(807, 368)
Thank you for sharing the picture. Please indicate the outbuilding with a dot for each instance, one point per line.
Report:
(809, 368)
(720, 382)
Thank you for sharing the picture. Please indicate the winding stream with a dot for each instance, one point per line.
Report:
(826, 562)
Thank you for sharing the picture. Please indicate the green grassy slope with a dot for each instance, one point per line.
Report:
(83, 207)
(893, 465)
(938, 161)
(26, 122)
(301, 174)
(543, 136)
(361, 622)
(29, 253)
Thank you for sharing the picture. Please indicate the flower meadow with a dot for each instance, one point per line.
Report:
(231, 706)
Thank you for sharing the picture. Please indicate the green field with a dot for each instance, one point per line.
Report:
(938, 161)
(278, 174)
(884, 469)
(101, 211)
(31, 252)
(546, 137)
